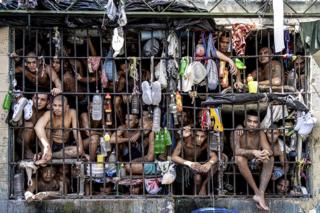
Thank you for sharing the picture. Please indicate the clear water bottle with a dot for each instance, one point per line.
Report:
(103, 148)
(156, 119)
(173, 109)
(97, 107)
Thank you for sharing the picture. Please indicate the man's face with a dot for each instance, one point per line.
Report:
(273, 135)
(135, 190)
(252, 123)
(48, 174)
(58, 107)
(224, 44)
(282, 186)
(299, 64)
(40, 101)
(32, 64)
(200, 137)
(131, 121)
(264, 55)
(56, 64)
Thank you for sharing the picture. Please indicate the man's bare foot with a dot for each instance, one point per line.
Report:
(41, 162)
(261, 202)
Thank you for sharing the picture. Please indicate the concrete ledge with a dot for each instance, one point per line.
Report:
(184, 205)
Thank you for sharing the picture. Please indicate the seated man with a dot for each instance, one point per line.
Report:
(193, 147)
(26, 135)
(268, 70)
(124, 136)
(47, 183)
(278, 151)
(56, 128)
(252, 145)
(147, 168)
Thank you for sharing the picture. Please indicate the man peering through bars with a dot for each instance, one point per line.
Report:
(188, 153)
(268, 69)
(250, 146)
(38, 74)
(26, 136)
(54, 130)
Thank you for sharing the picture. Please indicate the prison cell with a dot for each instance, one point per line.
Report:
(94, 175)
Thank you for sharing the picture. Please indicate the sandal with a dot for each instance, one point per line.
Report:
(28, 110)
(156, 92)
(18, 108)
(146, 93)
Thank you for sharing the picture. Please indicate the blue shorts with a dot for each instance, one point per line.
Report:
(150, 169)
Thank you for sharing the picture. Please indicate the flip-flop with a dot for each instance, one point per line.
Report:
(28, 110)
(18, 108)
(146, 93)
(156, 92)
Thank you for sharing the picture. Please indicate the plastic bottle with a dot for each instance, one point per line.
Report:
(135, 104)
(108, 109)
(156, 119)
(97, 107)
(103, 148)
(7, 101)
(173, 109)
(179, 101)
(112, 169)
(157, 144)
(162, 142)
(291, 79)
(106, 139)
(167, 137)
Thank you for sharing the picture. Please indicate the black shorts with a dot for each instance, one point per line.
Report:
(56, 147)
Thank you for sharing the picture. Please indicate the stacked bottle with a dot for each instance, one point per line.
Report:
(108, 109)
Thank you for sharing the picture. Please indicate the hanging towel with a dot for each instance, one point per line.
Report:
(310, 35)
(278, 112)
(278, 25)
(239, 35)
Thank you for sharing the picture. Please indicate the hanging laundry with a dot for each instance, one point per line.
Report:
(277, 112)
(239, 34)
(278, 25)
(310, 35)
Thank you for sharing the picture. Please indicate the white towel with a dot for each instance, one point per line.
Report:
(278, 25)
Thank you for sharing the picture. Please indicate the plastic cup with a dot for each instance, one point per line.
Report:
(253, 86)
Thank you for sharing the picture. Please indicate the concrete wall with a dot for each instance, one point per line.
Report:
(4, 67)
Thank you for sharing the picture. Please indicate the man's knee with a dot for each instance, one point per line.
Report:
(94, 140)
(239, 160)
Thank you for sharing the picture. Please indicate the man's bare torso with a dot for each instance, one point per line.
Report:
(59, 133)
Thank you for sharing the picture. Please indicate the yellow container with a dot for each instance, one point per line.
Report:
(100, 158)
(253, 86)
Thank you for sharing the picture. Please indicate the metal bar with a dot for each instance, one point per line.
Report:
(159, 15)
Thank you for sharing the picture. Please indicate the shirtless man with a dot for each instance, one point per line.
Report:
(147, 168)
(27, 135)
(192, 148)
(251, 144)
(39, 75)
(278, 150)
(58, 130)
(123, 136)
(269, 69)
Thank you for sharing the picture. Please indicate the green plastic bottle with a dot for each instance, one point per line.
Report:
(162, 142)
(167, 135)
(157, 144)
(7, 101)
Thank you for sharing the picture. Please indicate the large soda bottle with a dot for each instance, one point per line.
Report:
(96, 107)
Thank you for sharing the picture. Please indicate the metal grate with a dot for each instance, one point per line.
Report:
(85, 177)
